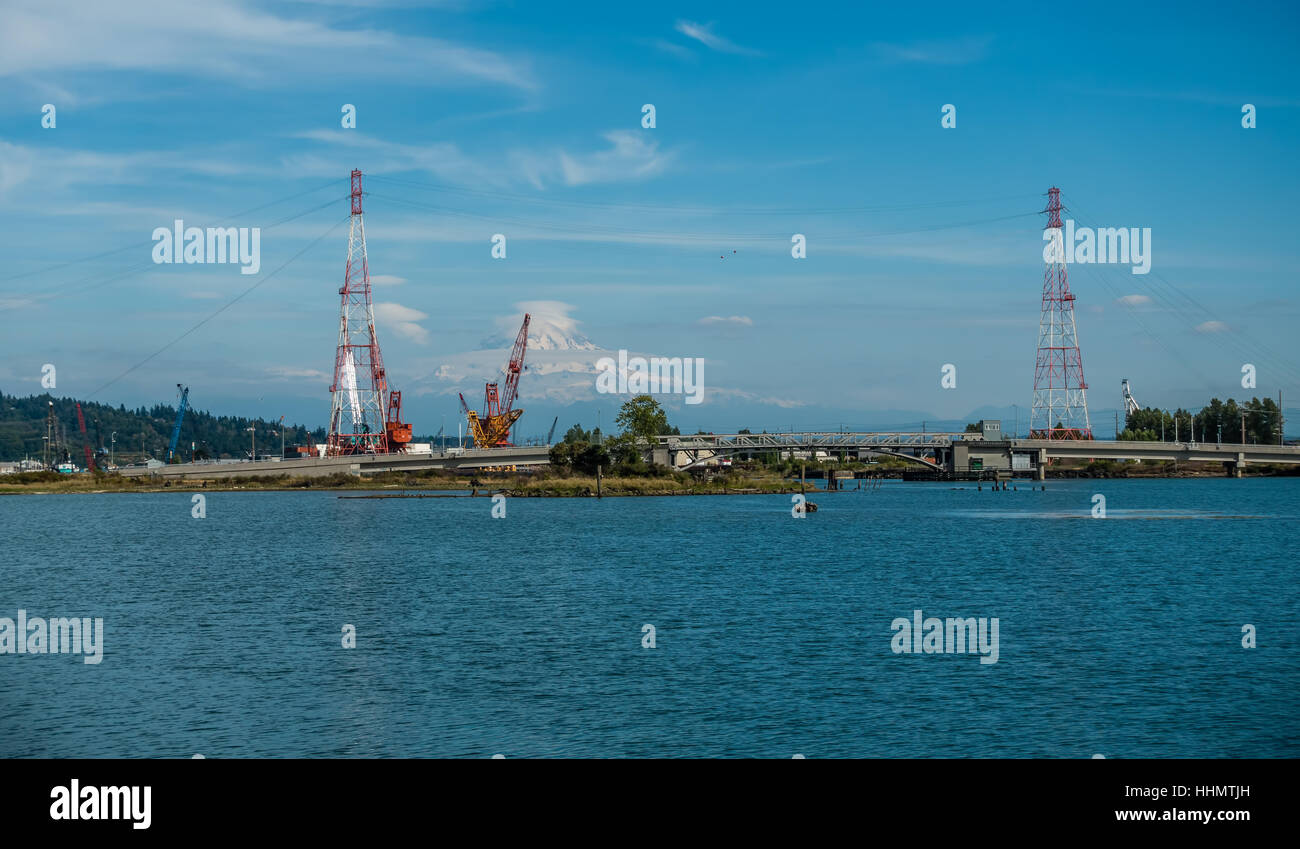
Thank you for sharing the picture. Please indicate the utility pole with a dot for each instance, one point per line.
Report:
(252, 435)
(112, 449)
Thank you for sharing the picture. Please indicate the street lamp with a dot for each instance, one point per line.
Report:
(112, 448)
(252, 435)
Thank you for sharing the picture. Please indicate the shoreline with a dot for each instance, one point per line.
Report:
(567, 486)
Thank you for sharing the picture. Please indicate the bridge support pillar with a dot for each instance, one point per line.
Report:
(1040, 470)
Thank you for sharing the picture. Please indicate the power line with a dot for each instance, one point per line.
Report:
(1168, 294)
(96, 280)
(224, 307)
(150, 242)
(596, 229)
(482, 193)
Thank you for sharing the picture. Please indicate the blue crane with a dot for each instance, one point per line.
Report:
(180, 414)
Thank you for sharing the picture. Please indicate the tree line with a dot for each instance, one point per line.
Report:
(1218, 421)
(23, 431)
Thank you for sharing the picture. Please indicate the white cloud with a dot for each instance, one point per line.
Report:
(386, 280)
(1211, 327)
(401, 320)
(550, 327)
(293, 372)
(784, 403)
(735, 320)
(671, 47)
(227, 39)
(704, 34)
(952, 52)
(1133, 300)
(631, 156)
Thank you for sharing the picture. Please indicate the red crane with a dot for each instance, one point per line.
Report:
(81, 426)
(514, 368)
(492, 429)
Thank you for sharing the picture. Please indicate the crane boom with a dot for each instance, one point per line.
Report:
(180, 415)
(81, 426)
(515, 366)
(1130, 403)
(491, 428)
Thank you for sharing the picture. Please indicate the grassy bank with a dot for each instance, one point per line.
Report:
(539, 484)
(557, 484)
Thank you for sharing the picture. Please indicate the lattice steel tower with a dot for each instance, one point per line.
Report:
(1060, 408)
(359, 394)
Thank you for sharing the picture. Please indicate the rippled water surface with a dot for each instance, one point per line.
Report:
(523, 635)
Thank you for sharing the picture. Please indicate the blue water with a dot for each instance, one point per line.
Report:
(523, 636)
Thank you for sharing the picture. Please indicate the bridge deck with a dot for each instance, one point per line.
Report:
(362, 464)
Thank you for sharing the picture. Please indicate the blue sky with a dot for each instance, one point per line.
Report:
(525, 119)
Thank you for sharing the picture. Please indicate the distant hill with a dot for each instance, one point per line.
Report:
(23, 429)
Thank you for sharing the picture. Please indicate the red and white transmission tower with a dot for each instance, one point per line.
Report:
(1060, 408)
(359, 394)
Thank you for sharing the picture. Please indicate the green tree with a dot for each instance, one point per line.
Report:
(643, 418)
(577, 434)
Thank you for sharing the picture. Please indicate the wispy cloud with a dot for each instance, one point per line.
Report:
(961, 51)
(1211, 327)
(629, 156)
(401, 320)
(731, 320)
(704, 34)
(293, 372)
(1133, 300)
(678, 50)
(226, 39)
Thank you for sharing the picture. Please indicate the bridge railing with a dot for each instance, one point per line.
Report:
(810, 439)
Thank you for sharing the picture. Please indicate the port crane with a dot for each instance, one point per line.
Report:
(398, 431)
(81, 427)
(1131, 405)
(492, 428)
(180, 416)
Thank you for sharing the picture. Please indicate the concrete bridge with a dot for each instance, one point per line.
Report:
(685, 452)
(468, 460)
(957, 453)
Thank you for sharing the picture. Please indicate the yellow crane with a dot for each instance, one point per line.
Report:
(492, 429)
